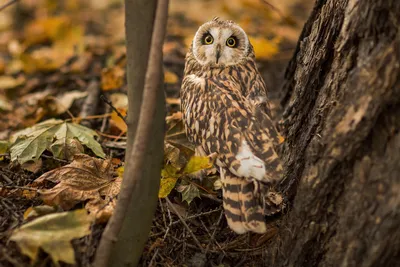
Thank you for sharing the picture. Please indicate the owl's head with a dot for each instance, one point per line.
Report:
(220, 43)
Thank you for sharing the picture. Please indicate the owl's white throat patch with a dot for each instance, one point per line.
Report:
(251, 166)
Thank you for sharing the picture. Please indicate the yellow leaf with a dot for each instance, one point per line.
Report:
(44, 59)
(112, 78)
(197, 163)
(264, 48)
(117, 121)
(4, 145)
(166, 186)
(8, 82)
(170, 77)
(53, 233)
(120, 171)
(281, 139)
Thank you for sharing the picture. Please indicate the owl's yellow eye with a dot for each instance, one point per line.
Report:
(231, 42)
(208, 39)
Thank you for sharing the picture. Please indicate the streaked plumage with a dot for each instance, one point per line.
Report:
(225, 111)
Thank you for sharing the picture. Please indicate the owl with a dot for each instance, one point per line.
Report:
(225, 112)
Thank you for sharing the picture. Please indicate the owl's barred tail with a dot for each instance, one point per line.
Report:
(243, 210)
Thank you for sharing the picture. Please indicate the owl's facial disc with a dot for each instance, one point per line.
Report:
(218, 45)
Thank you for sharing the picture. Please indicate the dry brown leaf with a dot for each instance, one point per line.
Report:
(85, 179)
(119, 100)
(60, 104)
(8, 82)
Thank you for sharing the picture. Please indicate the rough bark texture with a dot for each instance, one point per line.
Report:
(342, 151)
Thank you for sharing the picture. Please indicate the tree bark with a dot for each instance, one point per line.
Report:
(342, 151)
(123, 239)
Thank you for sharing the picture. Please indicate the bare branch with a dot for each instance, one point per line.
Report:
(9, 3)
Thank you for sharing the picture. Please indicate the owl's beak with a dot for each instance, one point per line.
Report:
(218, 54)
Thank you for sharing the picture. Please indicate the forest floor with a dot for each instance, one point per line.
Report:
(62, 64)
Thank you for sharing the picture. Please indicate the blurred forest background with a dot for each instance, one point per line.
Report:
(61, 45)
(56, 59)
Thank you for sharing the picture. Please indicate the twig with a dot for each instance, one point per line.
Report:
(7, 4)
(110, 104)
(8, 180)
(90, 105)
(274, 8)
(213, 234)
(104, 122)
(212, 197)
(185, 224)
(153, 258)
(115, 137)
(52, 157)
(198, 215)
(18, 187)
(90, 117)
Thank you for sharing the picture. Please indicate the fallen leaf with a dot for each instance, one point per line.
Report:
(4, 145)
(53, 233)
(170, 77)
(8, 82)
(174, 157)
(166, 186)
(119, 100)
(60, 104)
(189, 192)
(5, 103)
(119, 122)
(85, 179)
(54, 135)
(197, 163)
(173, 101)
(33, 166)
(35, 212)
(112, 78)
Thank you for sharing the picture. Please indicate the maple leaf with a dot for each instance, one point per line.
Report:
(189, 192)
(85, 179)
(56, 136)
(197, 163)
(53, 233)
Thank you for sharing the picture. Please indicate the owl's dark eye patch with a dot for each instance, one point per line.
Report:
(232, 42)
(207, 39)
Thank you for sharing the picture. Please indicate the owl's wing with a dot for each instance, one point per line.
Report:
(220, 119)
(256, 93)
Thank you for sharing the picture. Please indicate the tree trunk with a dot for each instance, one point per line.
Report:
(124, 237)
(342, 149)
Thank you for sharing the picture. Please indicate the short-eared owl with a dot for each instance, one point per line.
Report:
(225, 111)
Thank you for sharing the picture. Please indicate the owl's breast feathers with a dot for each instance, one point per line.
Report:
(221, 119)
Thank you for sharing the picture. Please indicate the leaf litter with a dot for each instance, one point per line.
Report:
(45, 70)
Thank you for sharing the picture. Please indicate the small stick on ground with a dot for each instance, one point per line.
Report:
(185, 224)
(89, 107)
(108, 102)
